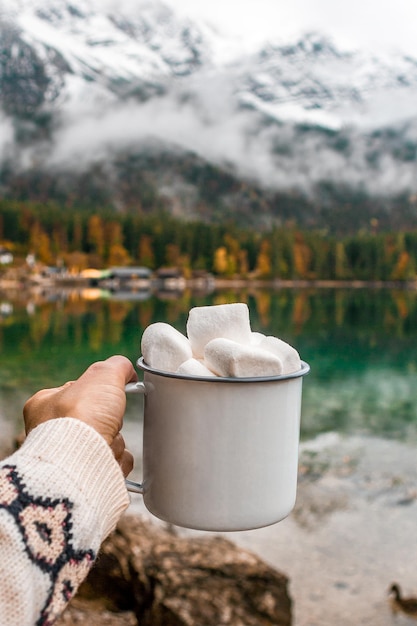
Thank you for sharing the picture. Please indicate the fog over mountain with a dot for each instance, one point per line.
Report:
(82, 82)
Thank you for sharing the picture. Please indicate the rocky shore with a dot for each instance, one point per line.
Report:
(147, 575)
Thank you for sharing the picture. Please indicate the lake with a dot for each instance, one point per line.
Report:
(352, 532)
(361, 345)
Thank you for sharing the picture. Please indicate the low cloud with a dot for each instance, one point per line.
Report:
(204, 122)
(203, 119)
(6, 137)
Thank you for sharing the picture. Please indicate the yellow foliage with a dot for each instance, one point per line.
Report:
(40, 244)
(118, 255)
(302, 256)
(96, 234)
(402, 265)
(263, 261)
(220, 260)
(146, 253)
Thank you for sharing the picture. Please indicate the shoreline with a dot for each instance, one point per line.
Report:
(214, 284)
(316, 283)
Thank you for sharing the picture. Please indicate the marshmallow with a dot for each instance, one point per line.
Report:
(256, 338)
(232, 359)
(289, 356)
(229, 321)
(164, 348)
(194, 367)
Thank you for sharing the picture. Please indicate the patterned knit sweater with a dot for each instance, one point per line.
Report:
(61, 494)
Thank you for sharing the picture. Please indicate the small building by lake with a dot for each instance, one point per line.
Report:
(126, 278)
(170, 279)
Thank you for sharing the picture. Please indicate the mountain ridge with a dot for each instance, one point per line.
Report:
(81, 83)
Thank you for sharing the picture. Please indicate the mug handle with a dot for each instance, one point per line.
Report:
(135, 388)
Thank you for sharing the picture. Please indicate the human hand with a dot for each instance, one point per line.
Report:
(97, 398)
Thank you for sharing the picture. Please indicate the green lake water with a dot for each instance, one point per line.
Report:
(361, 345)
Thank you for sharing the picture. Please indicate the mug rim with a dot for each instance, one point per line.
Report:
(305, 369)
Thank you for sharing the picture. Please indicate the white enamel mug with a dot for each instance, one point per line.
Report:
(219, 454)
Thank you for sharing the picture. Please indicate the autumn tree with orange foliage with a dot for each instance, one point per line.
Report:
(302, 256)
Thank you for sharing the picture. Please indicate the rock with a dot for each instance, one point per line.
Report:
(80, 613)
(161, 579)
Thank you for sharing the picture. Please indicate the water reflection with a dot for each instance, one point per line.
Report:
(361, 344)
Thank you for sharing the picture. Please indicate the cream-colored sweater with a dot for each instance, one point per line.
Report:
(61, 494)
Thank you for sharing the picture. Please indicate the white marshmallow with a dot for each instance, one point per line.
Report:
(289, 356)
(195, 367)
(256, 338)
(232, 359)
(164, 348)
(229, 321)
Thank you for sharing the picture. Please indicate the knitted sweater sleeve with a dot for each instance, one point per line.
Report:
(61, 494)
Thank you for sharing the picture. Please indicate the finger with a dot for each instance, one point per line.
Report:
(117, 370)
(118, 447)
(43, 394)
(41, 397)
(126, 463)
(122, 363)
(37, 408)
(67, 384)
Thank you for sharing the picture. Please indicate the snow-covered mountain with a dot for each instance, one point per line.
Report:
(312, 80)
(59, 46)
(81, 80)
(117, 48)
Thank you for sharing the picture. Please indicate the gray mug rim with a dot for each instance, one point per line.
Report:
(305, 369)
